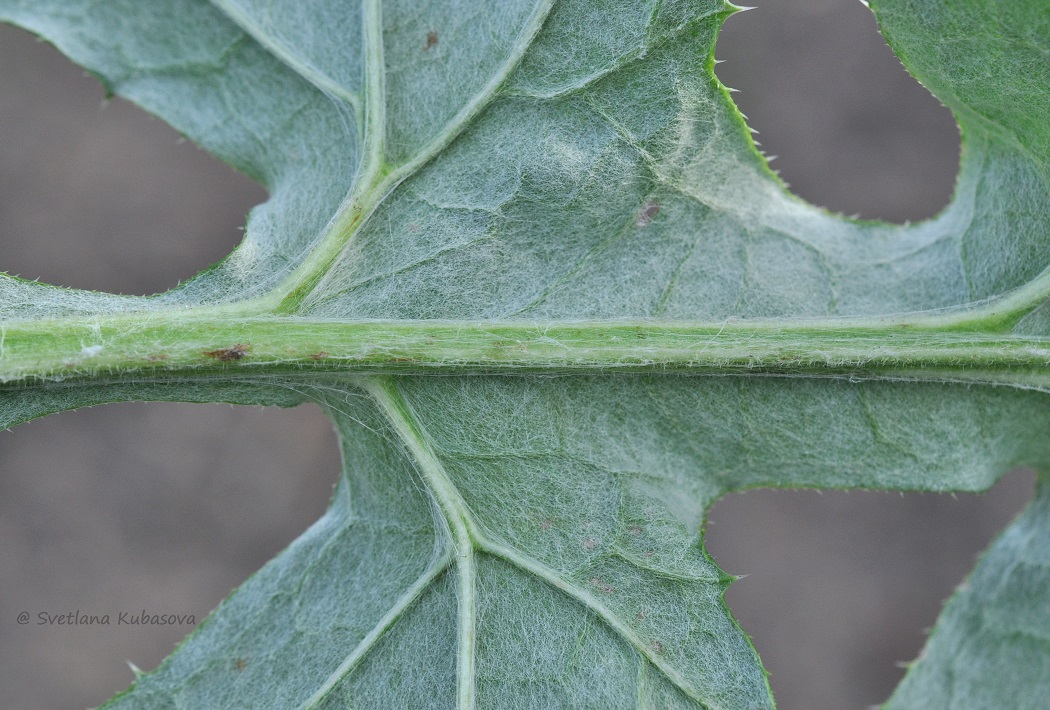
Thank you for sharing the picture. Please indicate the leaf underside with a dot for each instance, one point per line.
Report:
(533, 539)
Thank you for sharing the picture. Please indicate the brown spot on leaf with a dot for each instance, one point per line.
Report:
(319, 356)
(589, 543)
(650, 210)
(241, 664)
(658, 647)
(546, 524)
(160, 357)
(635, 530)
(600, 584)
(234, 352)
(432, 40)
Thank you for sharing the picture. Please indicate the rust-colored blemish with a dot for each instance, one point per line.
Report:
(159, 357)
(650, 210)
(230, 354)
(241, 664)
(658, 647)
(432, 40)
(319, 356)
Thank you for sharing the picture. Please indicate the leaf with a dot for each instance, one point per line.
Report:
(557, 207)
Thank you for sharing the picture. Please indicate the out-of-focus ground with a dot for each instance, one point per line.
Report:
(167, 507)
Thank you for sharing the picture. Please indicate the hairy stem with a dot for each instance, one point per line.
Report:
(178, 345)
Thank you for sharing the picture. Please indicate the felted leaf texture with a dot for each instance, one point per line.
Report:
(526, 256)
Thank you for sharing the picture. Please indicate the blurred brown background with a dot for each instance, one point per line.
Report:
(167, 507)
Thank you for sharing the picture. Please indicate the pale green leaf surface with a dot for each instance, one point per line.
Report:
(530, 541)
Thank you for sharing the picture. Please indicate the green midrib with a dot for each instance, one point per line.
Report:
(187, 344)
